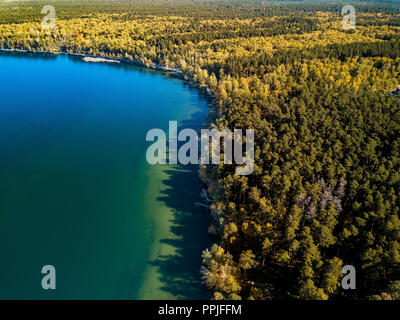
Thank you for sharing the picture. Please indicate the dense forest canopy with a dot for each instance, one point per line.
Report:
(325, 190)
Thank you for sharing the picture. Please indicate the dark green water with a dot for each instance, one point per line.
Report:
(76, 191)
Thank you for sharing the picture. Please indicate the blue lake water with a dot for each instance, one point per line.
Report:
(76, 191)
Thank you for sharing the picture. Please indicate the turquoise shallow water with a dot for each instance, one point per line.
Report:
(76, 191)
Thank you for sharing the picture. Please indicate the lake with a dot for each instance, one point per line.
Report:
(76, 191)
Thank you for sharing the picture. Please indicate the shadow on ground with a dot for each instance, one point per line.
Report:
(180, 272)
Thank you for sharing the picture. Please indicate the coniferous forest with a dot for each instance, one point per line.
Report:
(325, 191)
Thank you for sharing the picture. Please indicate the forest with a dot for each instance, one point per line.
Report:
(325, 191)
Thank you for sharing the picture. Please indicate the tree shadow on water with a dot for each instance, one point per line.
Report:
(180, 271)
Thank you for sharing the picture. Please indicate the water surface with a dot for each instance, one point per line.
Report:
(76, 191)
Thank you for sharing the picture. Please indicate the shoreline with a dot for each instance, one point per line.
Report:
(100, 59)
(187, 78)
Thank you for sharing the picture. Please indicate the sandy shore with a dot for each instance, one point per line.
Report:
(93, 59)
